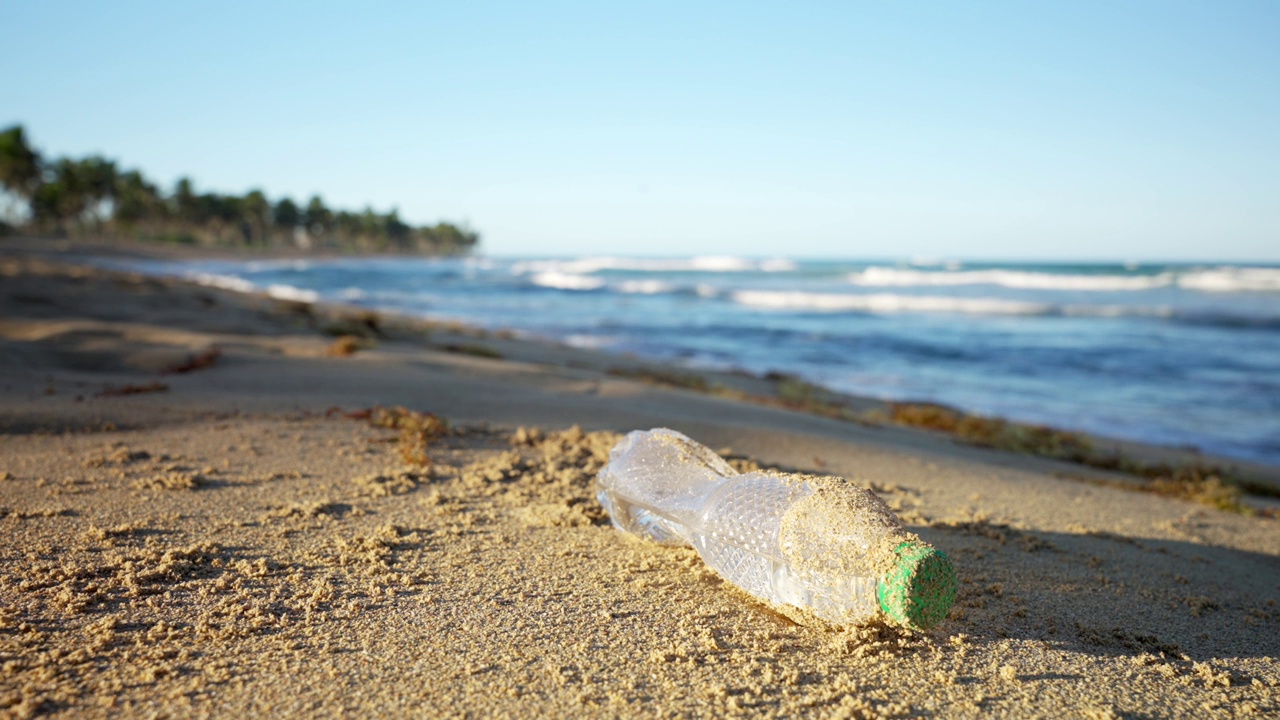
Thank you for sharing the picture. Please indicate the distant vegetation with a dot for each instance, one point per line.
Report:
(93, 197)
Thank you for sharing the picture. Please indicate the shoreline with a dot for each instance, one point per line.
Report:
(205, 518)
(775, 388)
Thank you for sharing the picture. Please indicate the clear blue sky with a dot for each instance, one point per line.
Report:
(972, 130)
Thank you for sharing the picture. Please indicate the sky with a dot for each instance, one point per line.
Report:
(977, 130)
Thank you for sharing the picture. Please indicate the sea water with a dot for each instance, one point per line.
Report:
(1183, 355)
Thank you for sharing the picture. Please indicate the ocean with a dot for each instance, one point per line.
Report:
(1172, 354)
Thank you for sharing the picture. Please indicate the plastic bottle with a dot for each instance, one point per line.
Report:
(817, 545)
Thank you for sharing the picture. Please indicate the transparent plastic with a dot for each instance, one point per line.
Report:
(661, 485)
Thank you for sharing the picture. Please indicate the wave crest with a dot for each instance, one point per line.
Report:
(883, 303)
(1232, 279)
(898, 277)
(226, 282)
(708, 263)
(566, 281)
(1226, 279)
(889, 303)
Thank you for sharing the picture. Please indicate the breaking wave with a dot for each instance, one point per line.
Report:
(1226, 279)
(890, 303)
(882, 303)
(566, 281)
(226, 282)
(709, 263)
(1232, 279)
(898, 277)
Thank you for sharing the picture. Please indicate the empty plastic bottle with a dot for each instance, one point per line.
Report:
(819, 545)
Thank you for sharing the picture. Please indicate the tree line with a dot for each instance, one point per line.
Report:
(94, 197)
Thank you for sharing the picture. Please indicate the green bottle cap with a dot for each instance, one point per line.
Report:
(920, 588)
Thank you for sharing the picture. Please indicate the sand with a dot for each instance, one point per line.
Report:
(240, 538)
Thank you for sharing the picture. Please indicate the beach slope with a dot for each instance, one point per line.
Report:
(205, 514)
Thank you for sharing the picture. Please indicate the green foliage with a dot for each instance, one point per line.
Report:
(19, 164)
(317, 218)
(185, 203)
(286, 214)
(73, 193)
(136, 200)
(92, 196)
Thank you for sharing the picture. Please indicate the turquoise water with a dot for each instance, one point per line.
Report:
(1185, 355)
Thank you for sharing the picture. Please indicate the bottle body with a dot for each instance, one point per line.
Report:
(818, 545)
(742, 539)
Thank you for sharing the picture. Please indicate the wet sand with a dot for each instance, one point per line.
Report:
(240, 538)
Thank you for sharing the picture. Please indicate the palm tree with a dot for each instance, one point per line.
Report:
(286, 215)
(137, 202)
(288, 224)
(96, 178)
(257, 215)
(317, 218)
(92, 194)
(47, 206)
(225, 218)
(65, 197)
(185, 203)
(19, 164)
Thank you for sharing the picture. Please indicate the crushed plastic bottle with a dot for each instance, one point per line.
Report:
(817, 545)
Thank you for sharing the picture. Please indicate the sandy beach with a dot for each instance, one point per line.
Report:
(205, 515)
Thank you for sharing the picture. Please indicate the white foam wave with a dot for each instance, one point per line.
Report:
(226, 282)
(884, 303)
(235, 284)
(1232, 279)
(710, 263)
(590, 342)
(566, 281)
(645, 287)
(289, 292)
(889, 303)
(713, 263)
(899, 277)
